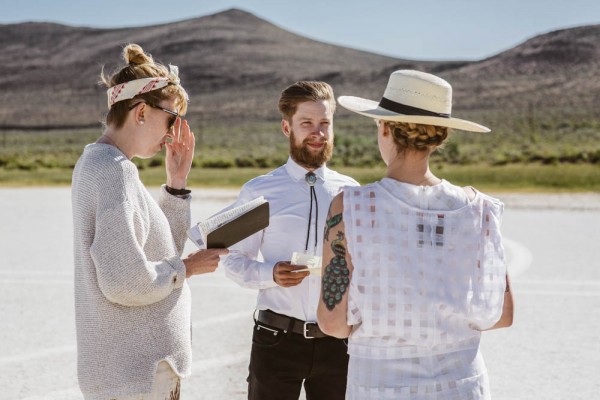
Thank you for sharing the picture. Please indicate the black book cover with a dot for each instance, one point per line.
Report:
(240, 228)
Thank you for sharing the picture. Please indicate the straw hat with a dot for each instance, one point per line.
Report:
(414, 97)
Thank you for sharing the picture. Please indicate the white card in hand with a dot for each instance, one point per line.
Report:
(312, 262)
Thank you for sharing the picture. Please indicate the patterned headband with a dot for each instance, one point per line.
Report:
(129, 90)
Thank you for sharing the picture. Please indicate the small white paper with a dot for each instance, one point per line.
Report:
(312, 262)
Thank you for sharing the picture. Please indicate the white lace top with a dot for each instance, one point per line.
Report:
(429, 271)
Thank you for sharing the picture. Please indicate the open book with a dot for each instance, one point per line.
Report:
(229, 227)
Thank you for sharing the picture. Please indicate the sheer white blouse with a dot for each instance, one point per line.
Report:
(429, 274)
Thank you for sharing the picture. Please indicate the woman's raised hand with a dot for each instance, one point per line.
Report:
(179, 154)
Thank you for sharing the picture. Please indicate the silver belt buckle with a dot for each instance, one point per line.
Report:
(305, 330)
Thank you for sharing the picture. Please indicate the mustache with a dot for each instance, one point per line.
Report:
(307, 140)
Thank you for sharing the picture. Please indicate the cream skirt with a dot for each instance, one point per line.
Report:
(166, 385)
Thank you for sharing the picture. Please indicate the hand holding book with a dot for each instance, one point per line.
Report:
(229, 227)
(203, 261)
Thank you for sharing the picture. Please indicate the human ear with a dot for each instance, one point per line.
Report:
(385, 130)
(140, 111)
(285, 127)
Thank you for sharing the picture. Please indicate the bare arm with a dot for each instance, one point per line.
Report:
(506, 319)
(337, 272)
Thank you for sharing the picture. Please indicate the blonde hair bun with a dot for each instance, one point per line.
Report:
(134, 54)
(420, 137)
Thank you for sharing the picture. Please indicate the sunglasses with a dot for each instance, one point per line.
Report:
(173, 114)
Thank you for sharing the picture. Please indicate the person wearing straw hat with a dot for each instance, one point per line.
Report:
(413, 266)
(132, 300)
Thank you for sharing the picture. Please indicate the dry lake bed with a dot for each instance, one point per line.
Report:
(551, 352)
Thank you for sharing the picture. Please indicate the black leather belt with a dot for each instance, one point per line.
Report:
(310, 330)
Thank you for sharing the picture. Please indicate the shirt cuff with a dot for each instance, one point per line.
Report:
(266, 274)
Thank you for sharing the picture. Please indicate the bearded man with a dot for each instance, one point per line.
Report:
(288, 348)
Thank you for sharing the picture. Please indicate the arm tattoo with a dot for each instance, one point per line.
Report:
(331, 222)
(337, 275)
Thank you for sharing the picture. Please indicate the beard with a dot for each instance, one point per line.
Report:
(304, 156)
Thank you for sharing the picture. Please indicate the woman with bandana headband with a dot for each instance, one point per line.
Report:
(132, 301)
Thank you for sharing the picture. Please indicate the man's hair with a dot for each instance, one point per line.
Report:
(303, 91)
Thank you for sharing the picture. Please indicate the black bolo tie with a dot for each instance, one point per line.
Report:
(311, 179)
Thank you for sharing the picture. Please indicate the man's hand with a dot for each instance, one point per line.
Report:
(284, 275)
(203, 261)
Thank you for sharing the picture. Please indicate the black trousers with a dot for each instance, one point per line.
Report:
(280, 362)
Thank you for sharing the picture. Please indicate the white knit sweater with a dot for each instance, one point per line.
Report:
(132, 301)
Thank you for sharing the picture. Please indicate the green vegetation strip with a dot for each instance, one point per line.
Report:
(521, 178)
(545, 150)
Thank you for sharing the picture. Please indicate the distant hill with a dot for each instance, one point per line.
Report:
(557, 70)
(235, 64)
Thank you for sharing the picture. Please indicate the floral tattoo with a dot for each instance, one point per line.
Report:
(337, 275)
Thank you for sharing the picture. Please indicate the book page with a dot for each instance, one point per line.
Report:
(216, 221)
(196, 236)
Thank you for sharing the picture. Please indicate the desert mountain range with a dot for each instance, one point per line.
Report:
(234, 65)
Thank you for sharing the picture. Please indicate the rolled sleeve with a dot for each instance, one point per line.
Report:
(178, 213)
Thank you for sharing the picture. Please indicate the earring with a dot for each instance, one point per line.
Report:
(141, 122)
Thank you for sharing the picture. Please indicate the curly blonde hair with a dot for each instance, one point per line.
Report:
(418, 137)
(141, 65)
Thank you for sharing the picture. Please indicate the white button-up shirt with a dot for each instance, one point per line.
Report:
(289, 200)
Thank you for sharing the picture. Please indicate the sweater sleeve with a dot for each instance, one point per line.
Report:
(178, 213)
(125, 275)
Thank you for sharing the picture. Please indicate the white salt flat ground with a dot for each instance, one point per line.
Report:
(551, 352)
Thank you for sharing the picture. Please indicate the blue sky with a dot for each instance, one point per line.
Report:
(415, 29)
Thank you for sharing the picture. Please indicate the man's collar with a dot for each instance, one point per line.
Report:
(298, 172)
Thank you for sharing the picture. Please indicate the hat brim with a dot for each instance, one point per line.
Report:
(370, 108)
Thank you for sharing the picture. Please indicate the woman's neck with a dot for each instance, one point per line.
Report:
(413, 168)
(113, 137)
